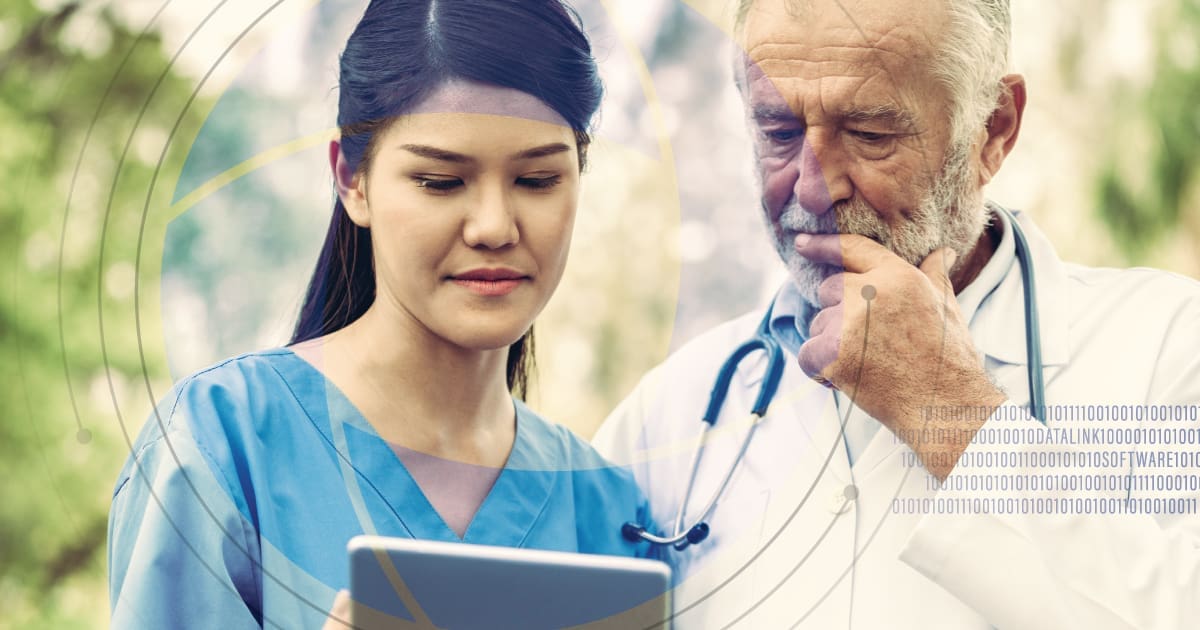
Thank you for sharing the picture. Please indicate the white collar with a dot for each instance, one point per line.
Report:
(997, 323)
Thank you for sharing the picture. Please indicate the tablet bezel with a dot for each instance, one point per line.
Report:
(368, 554)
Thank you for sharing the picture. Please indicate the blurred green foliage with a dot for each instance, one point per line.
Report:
(76, 176)
(85, 108)
(1149, 184)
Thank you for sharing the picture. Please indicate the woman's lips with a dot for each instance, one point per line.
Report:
(489, 288)
(490, 282)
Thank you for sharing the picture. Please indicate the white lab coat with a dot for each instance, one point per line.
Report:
(785, 534)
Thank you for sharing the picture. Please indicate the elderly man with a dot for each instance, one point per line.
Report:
(877, 124)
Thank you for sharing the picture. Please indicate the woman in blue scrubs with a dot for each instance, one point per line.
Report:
(395, 410)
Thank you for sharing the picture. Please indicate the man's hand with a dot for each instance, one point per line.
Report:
(891, 337)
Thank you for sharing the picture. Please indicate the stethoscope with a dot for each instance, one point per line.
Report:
(683, 536)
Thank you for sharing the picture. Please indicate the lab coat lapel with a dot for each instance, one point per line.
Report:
(881, 447)
(801, 403)
(807, 535)
(1000, 335)
(770, 571)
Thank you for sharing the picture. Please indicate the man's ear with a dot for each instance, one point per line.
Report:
(350, 188)
(1003, 127)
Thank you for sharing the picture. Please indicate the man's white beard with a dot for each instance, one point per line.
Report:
(951, 214)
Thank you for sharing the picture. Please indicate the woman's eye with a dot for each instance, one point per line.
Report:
(539, 183)
(440, 184)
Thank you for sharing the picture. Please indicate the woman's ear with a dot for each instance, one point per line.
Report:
(350, 187)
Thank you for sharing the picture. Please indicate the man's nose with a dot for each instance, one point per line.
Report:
(492, 222)
(819, 180)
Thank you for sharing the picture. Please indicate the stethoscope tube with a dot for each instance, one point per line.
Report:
(1033, 327)
(683, 537)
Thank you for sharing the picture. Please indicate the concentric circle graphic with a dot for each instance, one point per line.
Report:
(185, 151)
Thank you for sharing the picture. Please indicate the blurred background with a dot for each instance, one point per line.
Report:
(165, 193)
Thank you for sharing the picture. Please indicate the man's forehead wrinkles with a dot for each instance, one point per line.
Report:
(774, 100)
(859, 68)
(811, 75)
(903, 41)
(789, 80)
(816, 70)
(775, 52)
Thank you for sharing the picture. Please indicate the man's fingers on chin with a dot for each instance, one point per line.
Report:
(817, 354)
(861, 254)
(832, 290)
(808, 364)
(820, 248)
(827, 317)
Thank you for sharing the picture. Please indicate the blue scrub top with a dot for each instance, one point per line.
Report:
(244, 487)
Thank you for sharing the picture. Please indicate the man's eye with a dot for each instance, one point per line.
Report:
(869, 136)
(440, 184)
(539, 183)
(783, 136)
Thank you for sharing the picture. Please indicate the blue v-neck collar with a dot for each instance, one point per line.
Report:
(507, 514)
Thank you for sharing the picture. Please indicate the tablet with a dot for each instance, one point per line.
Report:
(400, 582)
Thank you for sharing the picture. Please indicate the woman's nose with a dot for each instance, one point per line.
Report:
(492, 223)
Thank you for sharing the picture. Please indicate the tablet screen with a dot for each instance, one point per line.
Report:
(399, 582)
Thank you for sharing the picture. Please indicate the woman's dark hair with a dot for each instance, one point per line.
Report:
(399, 53)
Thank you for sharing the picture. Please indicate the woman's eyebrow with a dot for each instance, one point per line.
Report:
(444, 155)
(435, 153)
(542, 151)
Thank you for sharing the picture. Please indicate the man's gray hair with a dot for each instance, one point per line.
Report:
(971, 63)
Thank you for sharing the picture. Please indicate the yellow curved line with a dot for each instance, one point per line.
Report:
(647, 83)
(248, 166)
(719, 12)
(359, 504)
